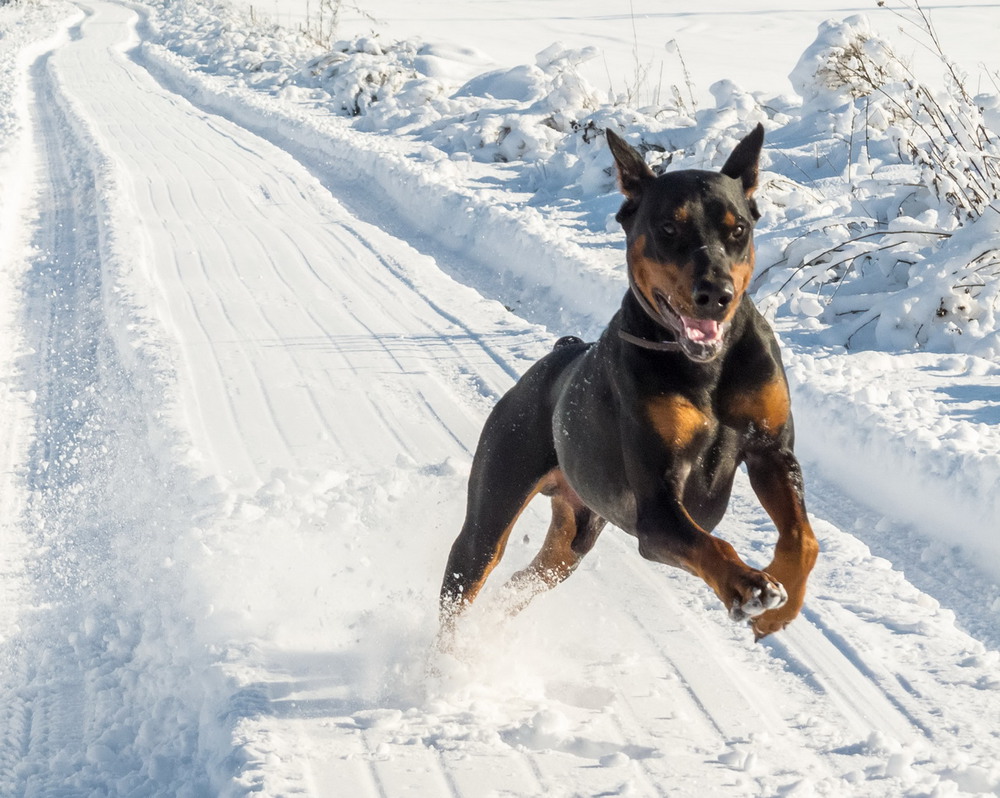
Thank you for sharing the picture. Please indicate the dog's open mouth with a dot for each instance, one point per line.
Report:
(702, 330)
(700, 339)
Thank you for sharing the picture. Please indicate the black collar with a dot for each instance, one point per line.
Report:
(645, 343)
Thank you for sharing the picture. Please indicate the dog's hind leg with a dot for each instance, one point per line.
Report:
(480, 545)
(513, 463)
(572, 533)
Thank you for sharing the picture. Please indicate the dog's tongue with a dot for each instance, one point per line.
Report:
(702, 330)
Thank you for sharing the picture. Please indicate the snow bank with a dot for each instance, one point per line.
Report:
(913, 435)
(909, 259)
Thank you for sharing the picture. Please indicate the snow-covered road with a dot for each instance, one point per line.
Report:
(238, 441)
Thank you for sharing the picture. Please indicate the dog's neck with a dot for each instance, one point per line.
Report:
(641, 325)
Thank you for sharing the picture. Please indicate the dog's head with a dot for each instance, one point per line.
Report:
(690, 241)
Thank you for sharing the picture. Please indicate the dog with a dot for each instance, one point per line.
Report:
(646, 427)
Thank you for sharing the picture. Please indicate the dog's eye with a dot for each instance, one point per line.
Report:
(739, 231)
(669, 229)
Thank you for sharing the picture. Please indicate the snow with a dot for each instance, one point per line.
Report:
(261, 294)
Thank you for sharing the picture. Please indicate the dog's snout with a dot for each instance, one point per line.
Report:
(710, 296)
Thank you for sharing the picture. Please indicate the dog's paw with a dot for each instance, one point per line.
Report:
(757, 600)
(769, 623)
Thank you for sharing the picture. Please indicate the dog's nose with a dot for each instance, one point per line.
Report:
(710, 296)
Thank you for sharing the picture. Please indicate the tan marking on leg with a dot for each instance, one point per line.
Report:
(544, 484)
(716, 563)
(556, 559)
(797, 549)
(791, 567)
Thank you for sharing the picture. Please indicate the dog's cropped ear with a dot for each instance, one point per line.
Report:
(743, 163)
(632, 169)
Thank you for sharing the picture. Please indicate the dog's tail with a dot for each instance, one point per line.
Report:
(567, 340)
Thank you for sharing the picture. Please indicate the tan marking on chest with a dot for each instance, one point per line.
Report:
(676, 420)
(768, 407)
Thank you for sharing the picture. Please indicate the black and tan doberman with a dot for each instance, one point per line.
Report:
(646, 427)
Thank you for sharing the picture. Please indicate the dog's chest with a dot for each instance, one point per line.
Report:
(620, 448)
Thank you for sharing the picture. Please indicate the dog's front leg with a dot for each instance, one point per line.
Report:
(669, 535)
(777, 480)
(657, 472)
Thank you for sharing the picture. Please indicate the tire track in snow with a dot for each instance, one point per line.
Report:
(817, 649)
(87, 479)
(179, 244)
(60, 290)
(499, 358)
(743, 716)
(225, 276)
(376, 290)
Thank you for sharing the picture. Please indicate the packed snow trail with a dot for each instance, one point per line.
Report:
(253, 416)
